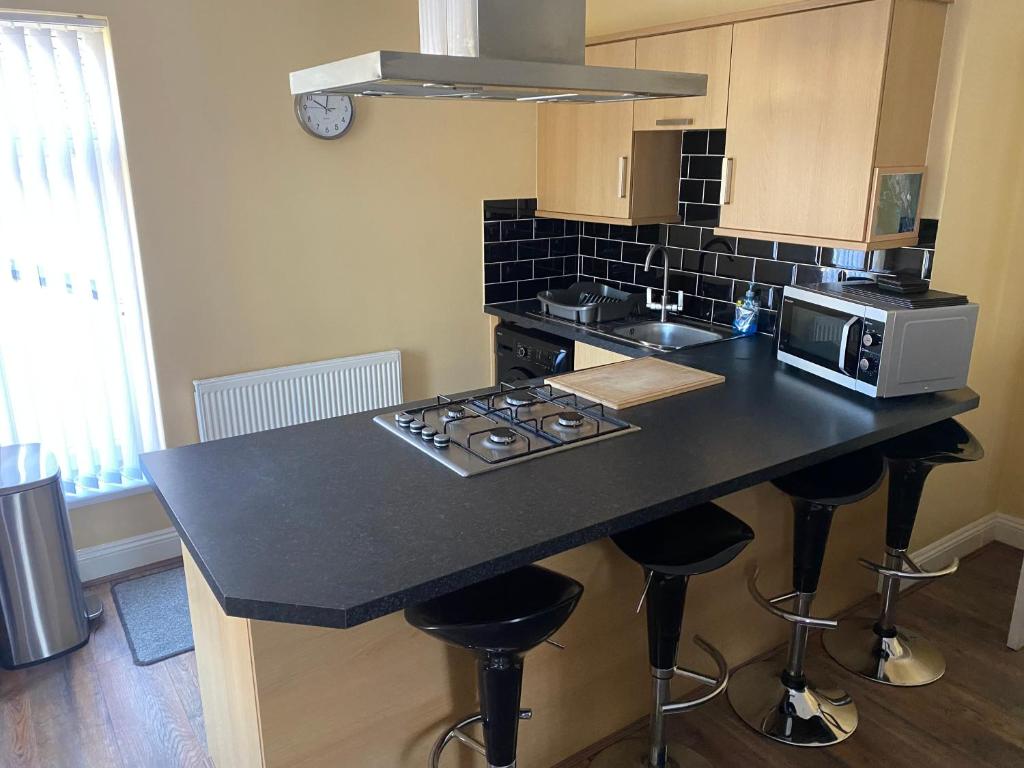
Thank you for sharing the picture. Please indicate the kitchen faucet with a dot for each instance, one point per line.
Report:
(664, 287)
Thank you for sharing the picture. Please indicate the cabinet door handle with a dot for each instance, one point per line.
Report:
(674, 121)
(622, 176)
(725, 195)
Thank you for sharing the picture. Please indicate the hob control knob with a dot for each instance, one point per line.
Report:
(869, 340)
(442, 440)
(416, 426)
(427, 433)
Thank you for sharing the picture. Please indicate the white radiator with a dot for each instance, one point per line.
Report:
(280, 397)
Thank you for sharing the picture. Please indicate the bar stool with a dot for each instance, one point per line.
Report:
(782, 703)
(500, 620)
(671, 550)
(873, 646)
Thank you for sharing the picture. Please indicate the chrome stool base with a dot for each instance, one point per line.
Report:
(905, 660)
(634, 753)
(802, 718)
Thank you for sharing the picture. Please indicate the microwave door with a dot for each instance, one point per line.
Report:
(820, 339)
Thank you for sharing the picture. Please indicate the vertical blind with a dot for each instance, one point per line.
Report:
(75, 371)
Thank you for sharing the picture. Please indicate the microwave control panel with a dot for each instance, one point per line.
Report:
(871, 351)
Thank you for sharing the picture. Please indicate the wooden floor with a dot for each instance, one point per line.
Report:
(973, 716)
(96, 708)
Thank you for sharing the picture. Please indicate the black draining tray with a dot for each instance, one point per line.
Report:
(589, 303)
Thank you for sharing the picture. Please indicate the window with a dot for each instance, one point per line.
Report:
(75, 363)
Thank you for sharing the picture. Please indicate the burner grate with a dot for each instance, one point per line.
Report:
(498, 412)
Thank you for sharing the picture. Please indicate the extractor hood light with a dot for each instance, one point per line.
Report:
(549, 97)
(509, 50)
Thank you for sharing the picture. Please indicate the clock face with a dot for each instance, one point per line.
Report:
(324, 115)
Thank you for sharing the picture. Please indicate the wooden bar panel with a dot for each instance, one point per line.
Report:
(378, 695)
(226, 676)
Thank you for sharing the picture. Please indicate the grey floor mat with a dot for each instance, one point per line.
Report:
(154, 614)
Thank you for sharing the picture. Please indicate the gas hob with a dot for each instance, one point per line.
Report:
(505, 426)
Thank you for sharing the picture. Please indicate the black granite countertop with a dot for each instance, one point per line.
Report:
(337, 522)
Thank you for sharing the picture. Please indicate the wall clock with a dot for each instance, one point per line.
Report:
(325, 115)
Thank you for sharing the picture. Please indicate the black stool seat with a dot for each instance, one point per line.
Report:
(840, 481)
(509, 614)
(697, 540)
(944, 443)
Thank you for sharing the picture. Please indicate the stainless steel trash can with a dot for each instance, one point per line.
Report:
(43, 611)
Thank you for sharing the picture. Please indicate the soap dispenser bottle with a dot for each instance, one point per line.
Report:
(747, 309)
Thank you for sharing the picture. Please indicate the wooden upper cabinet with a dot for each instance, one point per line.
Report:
(824, 107)
(590, 166)
(704, 51)
(584, 150)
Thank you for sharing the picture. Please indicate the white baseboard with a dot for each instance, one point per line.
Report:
(1005, 529)
(125, 554)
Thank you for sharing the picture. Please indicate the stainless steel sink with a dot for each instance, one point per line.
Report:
(669, 335)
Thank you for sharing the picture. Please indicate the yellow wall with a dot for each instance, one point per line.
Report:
(978, 253)
(262, 246)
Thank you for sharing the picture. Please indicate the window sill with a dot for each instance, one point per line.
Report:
(99, 497)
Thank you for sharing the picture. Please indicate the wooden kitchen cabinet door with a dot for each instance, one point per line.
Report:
(705, 51)
(584, 151)
(804, 101)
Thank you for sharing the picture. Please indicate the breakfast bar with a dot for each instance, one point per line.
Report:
(302, 543)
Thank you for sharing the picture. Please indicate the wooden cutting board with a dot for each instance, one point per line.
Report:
(633, 382)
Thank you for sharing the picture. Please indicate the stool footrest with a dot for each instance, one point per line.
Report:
(770, 604)
(456, 733)
(717, 683)
(916, 573)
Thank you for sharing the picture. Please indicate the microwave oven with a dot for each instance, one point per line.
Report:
(877, 344)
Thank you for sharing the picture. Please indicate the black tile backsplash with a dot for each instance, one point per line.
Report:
(774, 272)
(533, 249)
(495, 252)
(609, 249)
(495, 210)
(524, 255)
(565, 246)
(517, 229)
(712, 287)
(684, 237)
(635, 252)
(516, 270)
(711, 272)
(695, 143)
(716, 142)
(762, 249)
(548, 228)
(706, 167)
(527, 207)
(801, 254)
(699, 261)
(738, 267)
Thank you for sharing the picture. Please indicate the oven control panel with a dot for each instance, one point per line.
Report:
(871, 351)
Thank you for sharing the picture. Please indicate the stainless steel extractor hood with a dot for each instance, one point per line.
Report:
(508, 50)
